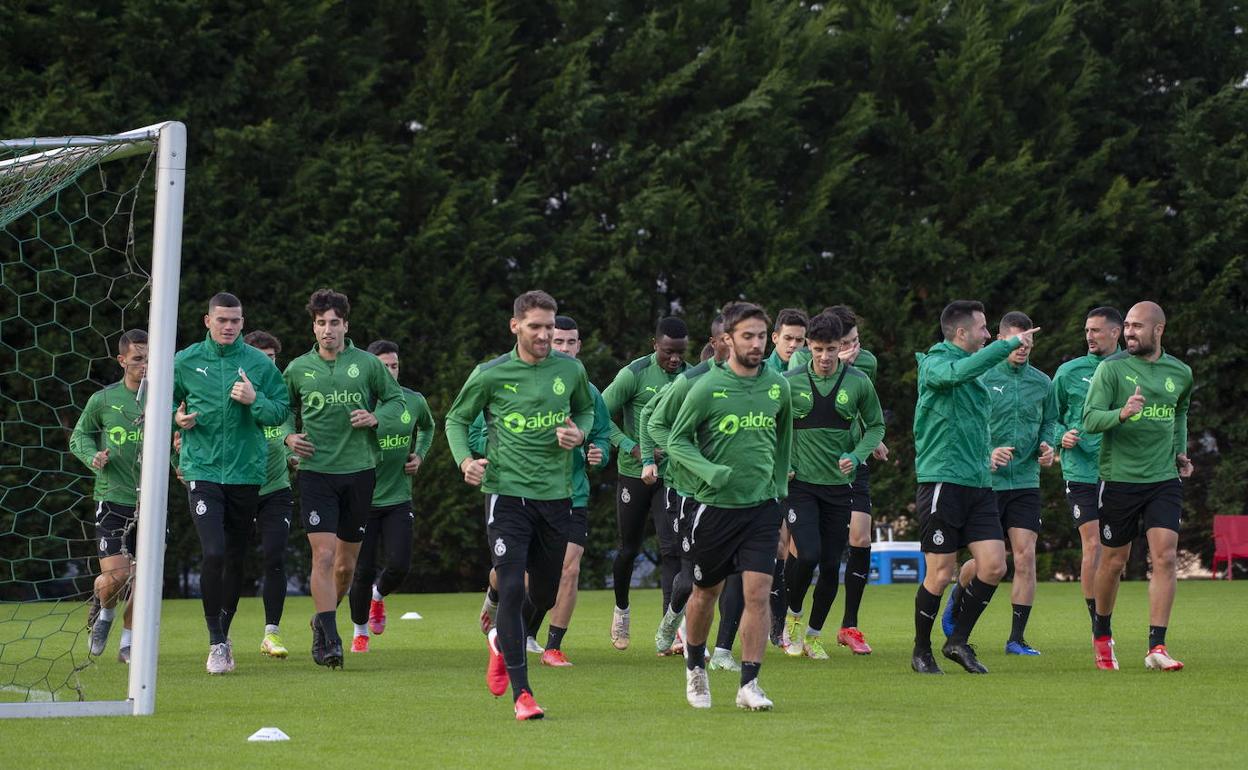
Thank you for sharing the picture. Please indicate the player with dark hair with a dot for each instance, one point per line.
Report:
(858, 564)
(273, 512)
(343, 394)
(1138, 402)
(733, 434)
(788, 336)
(830, 399)
(226, 392)
(402, 443)
(656, 423)
(955, 502)
(1079, 451)
(638, 494)
(1021, 423)
(539, 410)
(108, 439)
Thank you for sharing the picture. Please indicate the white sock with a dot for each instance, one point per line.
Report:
(376, 594)
(125, 637)
(269, 628)
(106, 613)
(361, 630)
(718, 650)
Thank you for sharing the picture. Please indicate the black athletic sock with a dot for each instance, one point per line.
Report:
(779, 598)
(1021, 613)
(975, 598)
(1091, 608)
(926, 607)
(519, 681)
(1156, 636)
(731, 606)
(695, 656)
(554, 636)
(215, 634)
(857, 569)
(955, 599)
(491, 593)
(1100, 626)
(328, 621)
(749, 671)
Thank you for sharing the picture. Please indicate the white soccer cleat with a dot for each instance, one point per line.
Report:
(752, 698)
(722, 660)
(219, 659)
(532, 647)
(698, 688)
(1159, 659)
(619, 628)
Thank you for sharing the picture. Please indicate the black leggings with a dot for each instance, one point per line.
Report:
(273, 520)
(391, 527)
(731, 606)
(224, 515)
(636, 503)
(819, 522)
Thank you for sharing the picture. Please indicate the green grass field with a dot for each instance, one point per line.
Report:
(419, 697)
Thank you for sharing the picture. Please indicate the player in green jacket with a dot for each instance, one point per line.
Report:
(1021, 422)
(538, 410)
(733, 433)
(403, 443)
(108, 439)
(226, 392)
(858, 563)
(830, 400)
(342, 393)
(955, 502)
(1078, 451)
(1138, 401)
(638, 495)
(276, 506)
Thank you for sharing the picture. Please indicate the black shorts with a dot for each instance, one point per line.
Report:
(116, 529)
(397, 509)
(685, 508)
(814, 508)
(578, 527)
(728, 540)
(952, 516)
(667, 523)
(861, 489)
(1019, 509)
(531, 532)
(337, 503)
(1124, 504)
(274, 510)
(1084, 501)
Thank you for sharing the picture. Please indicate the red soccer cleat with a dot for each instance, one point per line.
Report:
(555, 658)
(496, 671)
(854, 640)
(359, 643)
(377, 617)
(1105, 658)
(527, 708)
(1159, 660)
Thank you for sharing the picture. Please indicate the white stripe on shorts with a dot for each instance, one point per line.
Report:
(493, 501)
(693, 531)
(936, 496)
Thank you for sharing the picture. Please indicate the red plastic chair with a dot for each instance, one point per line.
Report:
(1230, 542)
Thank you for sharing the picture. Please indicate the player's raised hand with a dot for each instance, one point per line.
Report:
(299, 444)
(100, 459)
(243, 391)
(569, 435)
(1134, 405)
(185, 421)
(1001, 456)
(474, 470)
(1027, 337)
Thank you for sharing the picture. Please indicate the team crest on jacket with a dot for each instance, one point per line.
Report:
(559, 387)
(774, 392)
(1169, 385)
(406, 417)
(842, 398)
(353, 371)
(500, 547)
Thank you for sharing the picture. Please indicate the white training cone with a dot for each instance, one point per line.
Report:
(269, 734)
(411, 616)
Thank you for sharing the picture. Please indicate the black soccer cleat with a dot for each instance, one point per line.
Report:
(925, 663)
(963, 654)
(333, 653)
(318, 642)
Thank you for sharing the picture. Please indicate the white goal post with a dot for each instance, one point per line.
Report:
(170, 139)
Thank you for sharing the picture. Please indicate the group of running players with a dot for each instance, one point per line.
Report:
(752, 468)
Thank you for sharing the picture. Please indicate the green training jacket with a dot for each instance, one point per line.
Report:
(1021, 417)
(630, 391)
(1066, 397)
(410, 433)
(112, 420)
(820, 444)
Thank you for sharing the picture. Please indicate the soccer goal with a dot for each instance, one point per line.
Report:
(79, 268)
